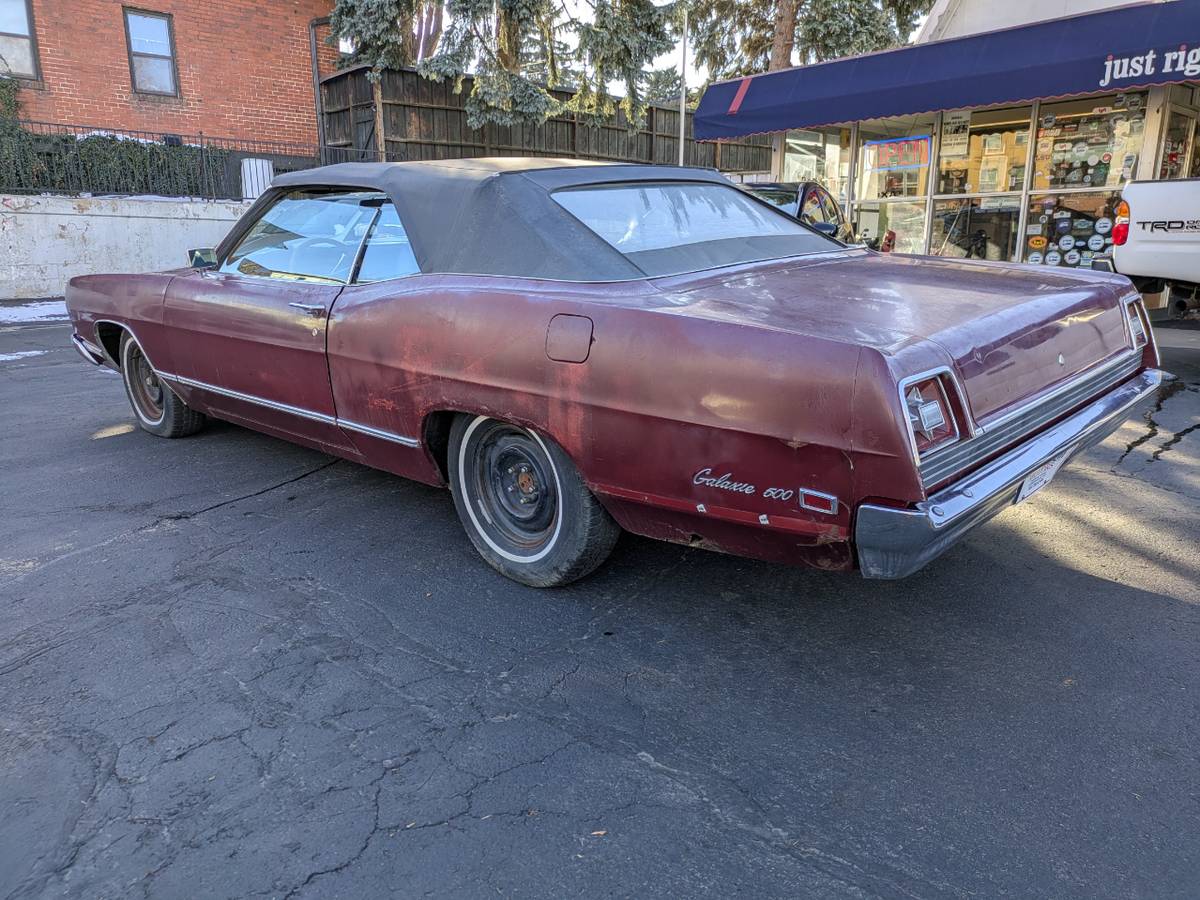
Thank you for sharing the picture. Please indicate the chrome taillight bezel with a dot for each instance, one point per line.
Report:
(957, 410)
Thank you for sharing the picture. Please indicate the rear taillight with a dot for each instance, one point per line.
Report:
(1120, 231)
(1137, 326)
(929, 414)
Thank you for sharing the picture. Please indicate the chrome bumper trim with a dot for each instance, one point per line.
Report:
(88, 350)
(894, 543)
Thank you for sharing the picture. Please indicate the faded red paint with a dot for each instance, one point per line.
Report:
(779, 375)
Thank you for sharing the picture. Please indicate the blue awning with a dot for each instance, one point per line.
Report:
(1116, 50)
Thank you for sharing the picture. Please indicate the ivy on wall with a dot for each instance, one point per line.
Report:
(103, 163)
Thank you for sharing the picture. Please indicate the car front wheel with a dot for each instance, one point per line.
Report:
(524, 505)
(158, 409)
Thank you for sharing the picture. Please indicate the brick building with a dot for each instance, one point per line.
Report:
(226, 68)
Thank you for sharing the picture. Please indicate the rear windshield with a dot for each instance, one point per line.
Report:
(670, 228)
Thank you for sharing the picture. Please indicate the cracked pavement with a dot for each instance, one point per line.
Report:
(233, 667)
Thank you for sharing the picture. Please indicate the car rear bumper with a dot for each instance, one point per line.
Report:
(894, 543)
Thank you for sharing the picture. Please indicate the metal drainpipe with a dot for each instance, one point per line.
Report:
(316, 77)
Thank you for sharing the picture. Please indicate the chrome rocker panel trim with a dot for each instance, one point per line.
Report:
(293, 410)
(894, 543)
(88, 350)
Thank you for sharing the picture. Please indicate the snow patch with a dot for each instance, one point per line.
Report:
(37, 311)
(21, 354)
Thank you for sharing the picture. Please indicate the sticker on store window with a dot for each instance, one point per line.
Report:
(1066, 242)
(1072, 258)
(1035, 258)
(1037, 243)
(1053, 258)
(1033, 229)
(1103, 226)
(1048, 120)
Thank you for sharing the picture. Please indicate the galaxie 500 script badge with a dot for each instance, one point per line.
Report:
(723, 482)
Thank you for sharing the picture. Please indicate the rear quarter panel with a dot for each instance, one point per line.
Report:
(661, 398)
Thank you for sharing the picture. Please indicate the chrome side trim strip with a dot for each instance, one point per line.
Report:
(294, 410)
(379, 433)
(250, 398)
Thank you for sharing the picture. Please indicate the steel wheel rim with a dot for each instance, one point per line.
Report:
(512, 484)
(145, 386)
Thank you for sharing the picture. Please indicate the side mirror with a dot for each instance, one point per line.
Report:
(829, 228)
(204, 258)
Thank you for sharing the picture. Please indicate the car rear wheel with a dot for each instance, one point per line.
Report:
(158, 409)
(524, 505)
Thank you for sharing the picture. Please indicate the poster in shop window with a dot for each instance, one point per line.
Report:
(956, 134)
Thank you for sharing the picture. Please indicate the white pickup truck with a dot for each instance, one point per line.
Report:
(1156, 240)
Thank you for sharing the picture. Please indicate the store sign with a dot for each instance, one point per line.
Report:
(1183, 61)
(898, 153)
(956, 134)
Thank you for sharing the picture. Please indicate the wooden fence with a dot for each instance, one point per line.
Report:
(422, 119)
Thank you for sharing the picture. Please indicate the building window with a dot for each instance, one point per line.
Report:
(1089, 143)
(983, 152)
(820, 156)
(18, 52)
(893, 182)
(151, 53)
(1069, 229)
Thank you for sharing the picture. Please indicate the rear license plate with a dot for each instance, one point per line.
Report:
(1041, 476)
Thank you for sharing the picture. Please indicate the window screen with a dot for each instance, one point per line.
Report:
(306, 236)
(388, 253)
(670, 228)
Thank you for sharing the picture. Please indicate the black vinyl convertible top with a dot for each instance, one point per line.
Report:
(491, 216)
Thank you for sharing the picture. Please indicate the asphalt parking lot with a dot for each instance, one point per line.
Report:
(230, 667)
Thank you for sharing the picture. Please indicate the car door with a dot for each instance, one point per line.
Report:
(251, 333)
(835, 214)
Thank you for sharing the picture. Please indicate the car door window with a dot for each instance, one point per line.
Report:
(811, 211)
(388, 253)
(307, 235)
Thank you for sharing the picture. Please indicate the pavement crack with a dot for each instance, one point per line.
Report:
(177, 517)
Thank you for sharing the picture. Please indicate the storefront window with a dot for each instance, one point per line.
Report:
(1069, 229)
(894, 157)
(820, 156)
(897, 227)
(1089, 143)
(1177, 144)
(980, 228)
(983, 152)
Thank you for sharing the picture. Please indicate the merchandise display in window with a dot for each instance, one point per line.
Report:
(1089, 143)
(1069, 229)
(978, 228)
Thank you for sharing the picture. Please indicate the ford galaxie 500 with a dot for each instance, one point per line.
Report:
(577, 348)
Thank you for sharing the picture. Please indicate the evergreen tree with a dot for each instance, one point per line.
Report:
(742, 37)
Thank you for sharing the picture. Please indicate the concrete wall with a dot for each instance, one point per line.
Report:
(957, 18)
(46, 240)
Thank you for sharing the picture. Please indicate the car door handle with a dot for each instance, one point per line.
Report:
(316, 310)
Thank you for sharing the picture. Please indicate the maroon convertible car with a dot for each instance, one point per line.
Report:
(578, 348)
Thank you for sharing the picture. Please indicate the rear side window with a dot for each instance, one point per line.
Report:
(674, 227)
(307, 236)
(388, 253)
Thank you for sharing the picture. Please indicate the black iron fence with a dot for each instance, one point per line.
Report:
(45, 158)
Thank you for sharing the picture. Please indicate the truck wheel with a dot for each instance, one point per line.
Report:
(157, 408)
(524, 505)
